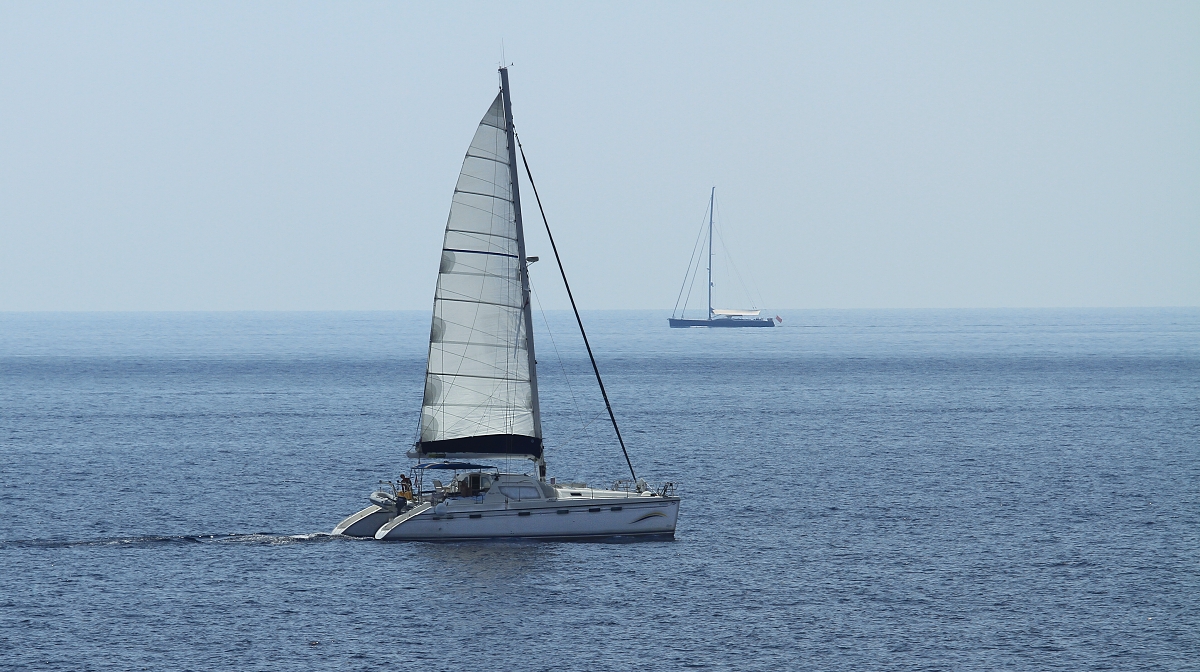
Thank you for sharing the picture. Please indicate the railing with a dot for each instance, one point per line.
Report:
(640, 486)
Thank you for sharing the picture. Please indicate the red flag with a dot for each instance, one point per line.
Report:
(779, 318)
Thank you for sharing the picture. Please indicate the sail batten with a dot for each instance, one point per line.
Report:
(497, 254)
(477, 301)
(485, 157)
(480, 386)
(481, 233)
(473, 193)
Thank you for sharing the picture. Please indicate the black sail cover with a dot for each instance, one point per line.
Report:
(480, 382)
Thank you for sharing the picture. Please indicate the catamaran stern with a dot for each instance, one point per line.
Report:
(365, 523)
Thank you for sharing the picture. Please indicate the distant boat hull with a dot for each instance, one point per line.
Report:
(722, 322)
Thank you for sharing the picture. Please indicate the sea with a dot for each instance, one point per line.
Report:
(861, 490)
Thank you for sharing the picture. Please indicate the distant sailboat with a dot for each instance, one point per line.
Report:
(719, 317)
(481, 395)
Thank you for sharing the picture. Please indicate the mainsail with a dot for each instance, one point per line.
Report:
(481, 381)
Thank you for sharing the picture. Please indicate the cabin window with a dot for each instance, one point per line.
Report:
(520, 492)
(469, 485)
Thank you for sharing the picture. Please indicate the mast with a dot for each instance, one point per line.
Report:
(711, 196)
(524, 262)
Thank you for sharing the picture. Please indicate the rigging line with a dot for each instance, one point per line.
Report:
(690, 286)
(691, 259)
(575, 308)
(753, 284)
(696, 271)
(736, 272)
(581, 430)
(696, 253)
(726, 248)
(693, 269)
(566, 377)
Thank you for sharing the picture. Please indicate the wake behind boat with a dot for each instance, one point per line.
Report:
(481, 398)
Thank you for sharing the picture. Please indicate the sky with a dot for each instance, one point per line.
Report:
(301, 156)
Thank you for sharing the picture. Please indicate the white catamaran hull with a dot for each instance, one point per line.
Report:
(365, 523)
(571, 519)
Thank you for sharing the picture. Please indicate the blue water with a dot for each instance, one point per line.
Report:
(966, 490)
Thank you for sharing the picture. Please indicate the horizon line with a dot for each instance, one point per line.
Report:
(567, 309)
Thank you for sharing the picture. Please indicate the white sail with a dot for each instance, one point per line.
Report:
(479, 382)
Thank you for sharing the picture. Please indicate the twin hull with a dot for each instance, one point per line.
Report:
(563, 519)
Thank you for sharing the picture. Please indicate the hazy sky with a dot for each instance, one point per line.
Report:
(213, 156)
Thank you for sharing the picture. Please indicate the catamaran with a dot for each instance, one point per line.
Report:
(716, 317)
(481, 398)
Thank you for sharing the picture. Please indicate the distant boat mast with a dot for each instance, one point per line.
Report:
(711, 197)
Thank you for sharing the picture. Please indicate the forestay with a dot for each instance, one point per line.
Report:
(480, 382)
